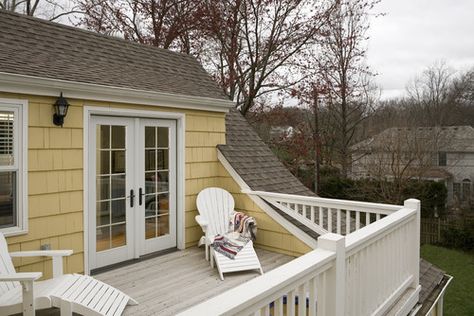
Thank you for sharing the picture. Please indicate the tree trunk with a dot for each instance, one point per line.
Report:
(317, 144)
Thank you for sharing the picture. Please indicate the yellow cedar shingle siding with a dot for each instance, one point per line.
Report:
(55, 182)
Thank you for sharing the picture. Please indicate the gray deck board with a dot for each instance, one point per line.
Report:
(173, 282)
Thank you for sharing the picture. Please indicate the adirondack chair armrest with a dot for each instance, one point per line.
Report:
(42, 253)
(202, 222)
(56, 255)
(21, 277)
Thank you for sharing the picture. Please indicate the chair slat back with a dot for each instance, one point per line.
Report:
(216, 206)
(6, 266)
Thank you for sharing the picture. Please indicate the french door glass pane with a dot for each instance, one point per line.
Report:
(8, 199)
(156, 181)
(111, 187)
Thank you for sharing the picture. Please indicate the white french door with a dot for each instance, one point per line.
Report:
(132, 185)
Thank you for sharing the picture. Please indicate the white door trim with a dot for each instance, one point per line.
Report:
(180, 165)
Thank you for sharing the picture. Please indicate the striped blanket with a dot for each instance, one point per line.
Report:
(227, 246)
(245, 225)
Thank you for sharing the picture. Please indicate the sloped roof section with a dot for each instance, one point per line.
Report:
(38, 48)
(440, 138)
(254, 161)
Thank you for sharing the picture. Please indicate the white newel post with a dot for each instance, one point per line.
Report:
(335, 296)
(415, 205)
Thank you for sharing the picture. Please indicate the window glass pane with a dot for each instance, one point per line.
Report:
(118, 137)
(8, 199)
(6, 138)
(103, 133)
(162, 136)
(150, 137)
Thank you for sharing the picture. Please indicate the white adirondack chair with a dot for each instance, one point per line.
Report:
(82, 294)
(216, 206)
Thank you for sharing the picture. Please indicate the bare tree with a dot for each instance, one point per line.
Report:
(47, 9)
(256, 46)
(338, 65)
(161, 23)
(431, 95)
(399, 155)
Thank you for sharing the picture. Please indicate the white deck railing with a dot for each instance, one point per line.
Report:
(327, 215)
(363, 273)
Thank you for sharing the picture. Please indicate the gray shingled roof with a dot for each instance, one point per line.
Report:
(432, 280)
(445, 138)
(254, 161)
(34, 47)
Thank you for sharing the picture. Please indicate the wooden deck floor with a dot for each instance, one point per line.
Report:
(173, 282)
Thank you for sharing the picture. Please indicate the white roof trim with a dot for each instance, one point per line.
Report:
(298, 233)
(15, 83)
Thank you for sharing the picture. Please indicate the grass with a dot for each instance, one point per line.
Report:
(459, 296)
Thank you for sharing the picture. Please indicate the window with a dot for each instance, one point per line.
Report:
(442, 159)
(466, 190)
(13, 153)
(457, 191)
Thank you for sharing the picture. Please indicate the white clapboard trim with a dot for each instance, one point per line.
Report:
(216, 206)
(72, 293)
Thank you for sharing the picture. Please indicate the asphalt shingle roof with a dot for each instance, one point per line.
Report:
(253, 160)
(34, 47)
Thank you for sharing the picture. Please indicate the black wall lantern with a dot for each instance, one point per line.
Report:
(60, 110)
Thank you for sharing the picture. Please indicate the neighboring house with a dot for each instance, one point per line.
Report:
(145, 131)
(433, 153)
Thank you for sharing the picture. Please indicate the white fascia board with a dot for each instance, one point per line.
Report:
(15, 83)
(295, 231)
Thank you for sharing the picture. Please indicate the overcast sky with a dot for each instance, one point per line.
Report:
(415, 33)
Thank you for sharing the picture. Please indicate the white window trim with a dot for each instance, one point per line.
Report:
(21, 150)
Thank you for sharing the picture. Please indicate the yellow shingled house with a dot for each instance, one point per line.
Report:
(105, 144)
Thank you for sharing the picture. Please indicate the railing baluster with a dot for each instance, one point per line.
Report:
(301, 300)
(278, 307)
(377, 216)
(313, 211)
(367, 218)
(305, 213)
(357, 220)
(329, 219)
(348, 222)
(266, 312)
(312, 297)
(338, 229)
(290, 303)
(321, 218)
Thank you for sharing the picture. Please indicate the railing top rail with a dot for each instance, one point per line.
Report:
(325, 202)
(241, 297)
(368, 234)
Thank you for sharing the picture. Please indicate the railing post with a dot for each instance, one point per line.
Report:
(415, 204)
(336, 283)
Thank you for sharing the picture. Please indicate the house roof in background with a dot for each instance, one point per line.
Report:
(447, 138)
(38, 48)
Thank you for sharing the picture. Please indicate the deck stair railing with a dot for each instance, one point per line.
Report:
(363, 273)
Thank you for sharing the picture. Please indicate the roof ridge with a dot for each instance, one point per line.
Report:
(94, 33)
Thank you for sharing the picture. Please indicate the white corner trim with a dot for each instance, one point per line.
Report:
(23, 84)
(298, 233)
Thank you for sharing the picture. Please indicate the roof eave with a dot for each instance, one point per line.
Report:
(32, 85)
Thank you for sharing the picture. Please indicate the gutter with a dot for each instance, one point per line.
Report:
(441, 294)
(23, 84)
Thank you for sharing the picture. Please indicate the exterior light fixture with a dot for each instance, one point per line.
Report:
(60, 110)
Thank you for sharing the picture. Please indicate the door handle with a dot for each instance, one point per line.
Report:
(140, 196)
(132, 197)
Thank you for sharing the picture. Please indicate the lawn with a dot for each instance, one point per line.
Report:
(459, 298)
